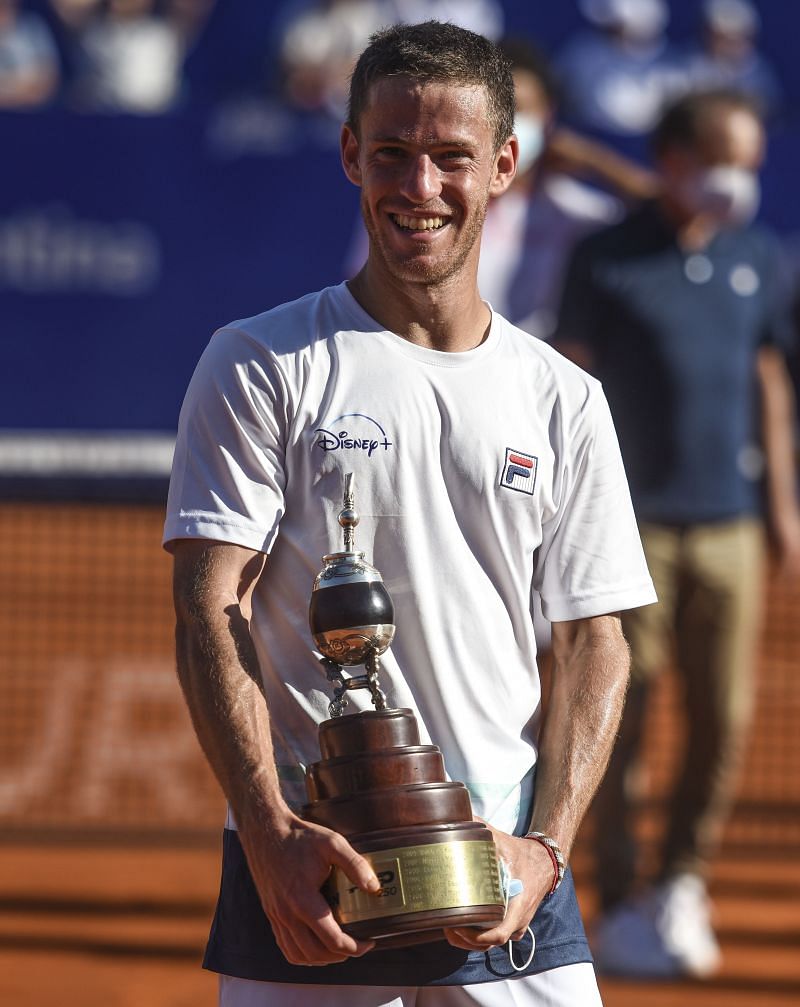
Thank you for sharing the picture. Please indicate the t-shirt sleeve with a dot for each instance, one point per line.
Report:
(591, 561)
(228, 473)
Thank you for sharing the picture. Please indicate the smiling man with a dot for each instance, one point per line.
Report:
(491, 476)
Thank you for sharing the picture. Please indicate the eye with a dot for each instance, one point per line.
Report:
(453, 156)
(389, 151)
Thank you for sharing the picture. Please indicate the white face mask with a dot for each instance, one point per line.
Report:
(531, 137)
(640, 20)
(729, 194)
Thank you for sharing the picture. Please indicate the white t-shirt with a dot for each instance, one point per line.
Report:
(481, 477)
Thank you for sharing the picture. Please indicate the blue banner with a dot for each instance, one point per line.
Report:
(125, 241)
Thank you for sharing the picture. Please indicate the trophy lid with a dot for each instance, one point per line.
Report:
(351, 614)
(349, 565)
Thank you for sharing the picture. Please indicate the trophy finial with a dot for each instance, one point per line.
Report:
(351, 614)
(349, 517)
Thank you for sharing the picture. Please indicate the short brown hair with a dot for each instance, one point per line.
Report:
(436, 51)
(682, 124)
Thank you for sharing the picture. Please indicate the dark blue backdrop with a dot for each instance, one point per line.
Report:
(125, 241)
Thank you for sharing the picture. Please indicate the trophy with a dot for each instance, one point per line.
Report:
(379, 787)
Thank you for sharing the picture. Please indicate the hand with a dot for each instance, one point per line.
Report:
(289, 866)
(786, 538)
(530, 862)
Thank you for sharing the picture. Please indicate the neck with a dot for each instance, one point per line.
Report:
(692, 231)
(448, 316)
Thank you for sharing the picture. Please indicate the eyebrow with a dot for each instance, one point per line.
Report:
(461, 144)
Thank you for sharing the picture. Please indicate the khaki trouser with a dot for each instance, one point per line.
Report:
(709, 580)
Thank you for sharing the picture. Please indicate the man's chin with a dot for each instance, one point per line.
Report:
(421, 269)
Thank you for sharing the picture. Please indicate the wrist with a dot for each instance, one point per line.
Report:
(556, 857)
(265, 814)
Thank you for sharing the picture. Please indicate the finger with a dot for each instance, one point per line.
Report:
(288, 945)
(319, 919)
(466, 939)
(494, 938)
(510, 929)
(357, 868)
(311, 950)
(334, 938)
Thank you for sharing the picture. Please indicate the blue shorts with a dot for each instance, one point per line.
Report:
(242, 944)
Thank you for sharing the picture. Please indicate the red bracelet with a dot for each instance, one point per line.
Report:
(556, 856)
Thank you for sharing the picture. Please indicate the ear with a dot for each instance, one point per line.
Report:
(505, 166)
(349, 151)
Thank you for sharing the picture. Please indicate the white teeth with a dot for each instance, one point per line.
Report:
(418, 223)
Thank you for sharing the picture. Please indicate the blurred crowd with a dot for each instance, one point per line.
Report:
(615, 75)
(123, 56)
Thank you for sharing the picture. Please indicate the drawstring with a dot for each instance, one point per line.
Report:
(511, 887)
(528, 960)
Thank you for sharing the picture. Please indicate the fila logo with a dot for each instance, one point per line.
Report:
(519, 471)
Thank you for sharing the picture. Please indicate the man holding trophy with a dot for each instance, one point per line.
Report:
(486, 471)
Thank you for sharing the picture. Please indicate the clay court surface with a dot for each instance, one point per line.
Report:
(92, 926)
(101, 905)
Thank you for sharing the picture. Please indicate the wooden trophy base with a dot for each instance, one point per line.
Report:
(388, 795)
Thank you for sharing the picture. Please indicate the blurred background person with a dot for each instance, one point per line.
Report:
(318, 48)
(29, 66)
(678, 310)
(530, 232)
(188, 18)
(319, 41)
(727, 53)
(128, 58)
(618, 73)
(486, 17)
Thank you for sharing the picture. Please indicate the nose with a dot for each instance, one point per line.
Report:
(421, 182)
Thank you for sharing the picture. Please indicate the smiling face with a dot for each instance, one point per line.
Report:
(426, 163)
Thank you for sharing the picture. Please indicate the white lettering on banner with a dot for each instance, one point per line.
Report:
(48, 747)
(142, 734)
(112, 743)
(51, 250)
(246, 127)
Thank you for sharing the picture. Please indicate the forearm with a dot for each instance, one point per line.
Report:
(579, 155)
(777, 423)
(219, 675)
(590, 676)
(289, 859)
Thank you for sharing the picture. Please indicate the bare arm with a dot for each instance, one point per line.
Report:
(777, 425)
(218, 670)
(590, 677)
(578, 155)
(28, 89)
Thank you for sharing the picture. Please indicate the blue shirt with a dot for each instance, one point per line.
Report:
(674, 337)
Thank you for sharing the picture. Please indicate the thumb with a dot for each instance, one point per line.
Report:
(357, 868)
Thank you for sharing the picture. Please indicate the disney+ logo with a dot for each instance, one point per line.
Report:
(366, 437)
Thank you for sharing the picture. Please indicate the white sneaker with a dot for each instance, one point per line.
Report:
(665, 934)
(626, 942)
(682, 914)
